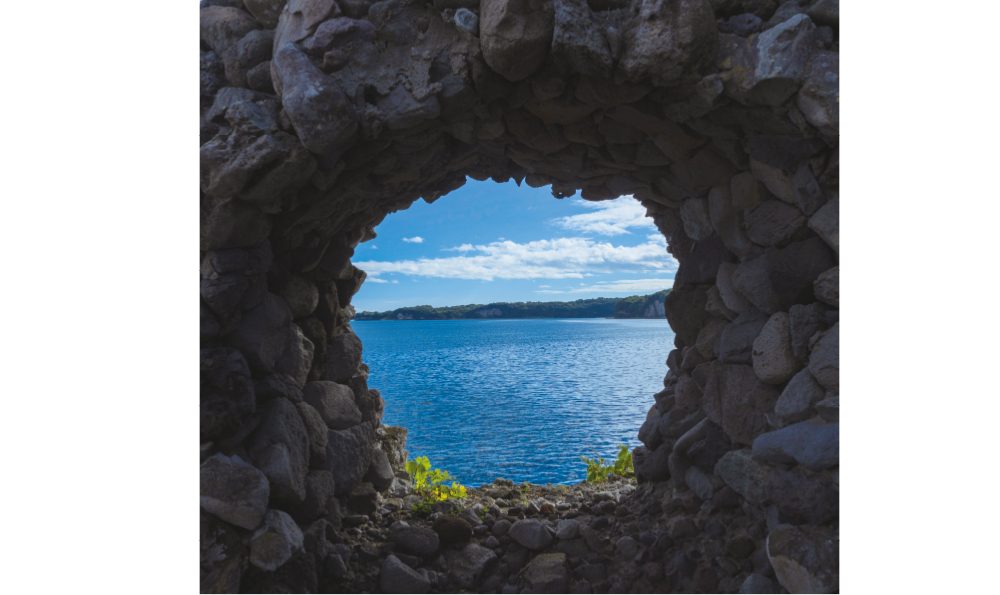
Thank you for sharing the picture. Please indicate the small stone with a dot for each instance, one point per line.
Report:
(452, 529)
(466, 20)
(531, 534)
(275, 541)
(699, 483)
(234, 490)
(501, 527)
(396, 577)
(826, 223)
(334, 402)
(829, 408)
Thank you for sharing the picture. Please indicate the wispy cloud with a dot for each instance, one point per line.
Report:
(462, 248)
(612, 217)
(414, 240)
(542, 259)
(376, 280)
(621, 286)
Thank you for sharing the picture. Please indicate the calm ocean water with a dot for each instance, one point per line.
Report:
(520, 399)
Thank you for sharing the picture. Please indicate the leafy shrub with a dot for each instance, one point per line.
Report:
(598, 471)
(429, 484)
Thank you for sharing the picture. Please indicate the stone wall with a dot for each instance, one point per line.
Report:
(320, 118)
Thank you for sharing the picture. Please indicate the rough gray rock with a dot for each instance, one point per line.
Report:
(334, 403)
(805, 322)
(275, 541)
(515, 37)
(805, 559)
(774, 223)
(827, 287)
(578, 42)
(301, 295)
(317, 107)
(567, 529)
(813, 444)
(829, 408)
(757, 583)
(234, 490)
(227, 393)
(296, 361)
(737, 400)
(826, 223)
(819, 97)
(419, 541)
(797, 497)
(348, 454)
(770, 68)
(379, 472)
(531, 534)
(469, 564)
(801, 394)
(824, 360)
(724, 283)
(343, 357)
(316, 431)
(778, 280)
(547, 573)
(396, 577)
(773, 359)
(694, 214)
(280, 448)
(735, 344)
(667, 41)
(699, 483)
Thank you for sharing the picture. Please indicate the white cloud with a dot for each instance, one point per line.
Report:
(414, 240)
(542, 259)
(462, 248)
(374, 247)
(630, 286)
(545, 286)
(611, 217)
(395, 281)
(377, 280)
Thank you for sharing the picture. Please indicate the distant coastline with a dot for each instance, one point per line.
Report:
(636, 306)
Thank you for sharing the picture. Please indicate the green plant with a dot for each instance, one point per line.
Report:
(598, 471)
(429, 484)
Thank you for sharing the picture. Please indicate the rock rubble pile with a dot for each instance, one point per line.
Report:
(319, 118)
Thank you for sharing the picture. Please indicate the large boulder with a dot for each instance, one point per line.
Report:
(348, 455)
(515, 36)
(234, 490)
(320, 487)
(805, 559)
(280, 448)
(819, 97)
(334, 402)
(664, 41)
(316, 430)
(379, 472)
(296, 361)
(774, 223)
(265, 11)
(685, 311)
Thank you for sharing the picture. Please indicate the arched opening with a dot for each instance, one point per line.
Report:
(320, 119)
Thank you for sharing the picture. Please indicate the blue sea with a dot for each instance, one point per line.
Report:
(520, 399)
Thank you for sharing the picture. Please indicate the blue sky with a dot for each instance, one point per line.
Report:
(489, 242)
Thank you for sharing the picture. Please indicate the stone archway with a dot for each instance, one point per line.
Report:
(319, 119)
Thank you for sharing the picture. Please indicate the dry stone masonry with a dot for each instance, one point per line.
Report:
(321, 117)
